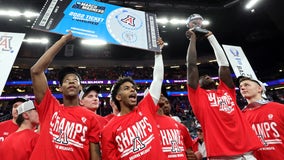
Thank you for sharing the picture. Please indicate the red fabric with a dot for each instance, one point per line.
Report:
(134, 135)
(6, 128)
(109, 116)
(226, 131)
(268, 123)
(186, 136)
(65, 132)
(171, 137)
(19, 145)
(195, 145)
(102, 120)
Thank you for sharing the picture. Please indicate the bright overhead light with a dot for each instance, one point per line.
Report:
(30, 14)
(36, 40)
(93, 42)
(205, 22)
(174, 66)
(251, 4)
(163, 20)
(16, 13)
(213, 60)
(177, 21)
(11, 13)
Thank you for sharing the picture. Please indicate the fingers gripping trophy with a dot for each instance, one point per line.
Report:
(194, 23)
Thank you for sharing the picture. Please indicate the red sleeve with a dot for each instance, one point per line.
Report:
(109, 149)
(95, 131)
(147, 103)
(45, 105)
(186, 136)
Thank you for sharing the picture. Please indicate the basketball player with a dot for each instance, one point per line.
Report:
(20, 144)
(175, 137)
(227, 134)
(10, 126)
(133, 133)
(89, 98)
(266, 119)
(67, 131)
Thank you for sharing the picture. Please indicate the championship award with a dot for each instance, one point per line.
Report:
(194, 22)
(91, 19)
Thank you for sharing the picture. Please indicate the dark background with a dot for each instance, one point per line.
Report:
(259, 33)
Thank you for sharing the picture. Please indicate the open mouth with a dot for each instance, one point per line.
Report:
(133, 97)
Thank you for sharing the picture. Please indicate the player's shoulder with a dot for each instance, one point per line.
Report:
(7, 122)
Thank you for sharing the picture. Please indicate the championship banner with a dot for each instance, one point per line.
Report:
(10, 44)
(91, 19)
(238, 61)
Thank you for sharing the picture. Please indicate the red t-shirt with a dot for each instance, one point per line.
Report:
(188, 143)
(134, 135)
(109, 116)
(268, 123)
(226, 131)
(19, 145)
(102, 120)
(65, 132)
(6, 128)
(171, 137)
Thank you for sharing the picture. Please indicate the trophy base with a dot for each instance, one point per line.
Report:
(200, 32)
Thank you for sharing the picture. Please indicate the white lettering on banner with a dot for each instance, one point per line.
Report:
(225, 102)
(65, 132)
(135, 138)
(268, 133)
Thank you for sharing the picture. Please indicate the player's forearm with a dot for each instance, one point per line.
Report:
(219, 53)
(191, 59)
(158, 77)
(47, 57)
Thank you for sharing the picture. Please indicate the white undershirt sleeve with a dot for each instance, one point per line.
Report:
(219, 53)
(158, 77)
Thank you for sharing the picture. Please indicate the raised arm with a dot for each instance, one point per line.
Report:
(158, 74)
(191, 60)
(224, 67)
(39, 81)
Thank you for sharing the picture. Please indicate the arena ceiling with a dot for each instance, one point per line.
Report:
(259, 33)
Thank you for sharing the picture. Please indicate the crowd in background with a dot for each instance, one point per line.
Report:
(180, 104)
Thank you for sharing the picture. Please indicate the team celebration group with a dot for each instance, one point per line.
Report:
(45, 129)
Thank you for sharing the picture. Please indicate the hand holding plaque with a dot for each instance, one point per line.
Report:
(194, 23)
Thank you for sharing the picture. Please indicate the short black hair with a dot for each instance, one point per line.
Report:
(116, 86)
(67, 70)
(20, 119)
(18, 99)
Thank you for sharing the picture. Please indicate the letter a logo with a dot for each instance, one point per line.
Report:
(62, 138)
(5, 43)
(129, 20)
(175, 147)
(137, 144)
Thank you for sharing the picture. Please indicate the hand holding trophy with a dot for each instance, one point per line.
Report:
(194, 23)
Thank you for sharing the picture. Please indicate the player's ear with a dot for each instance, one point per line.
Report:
(118, 97)
(60, 89)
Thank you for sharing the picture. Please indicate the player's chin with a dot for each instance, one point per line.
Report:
(133, 103)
